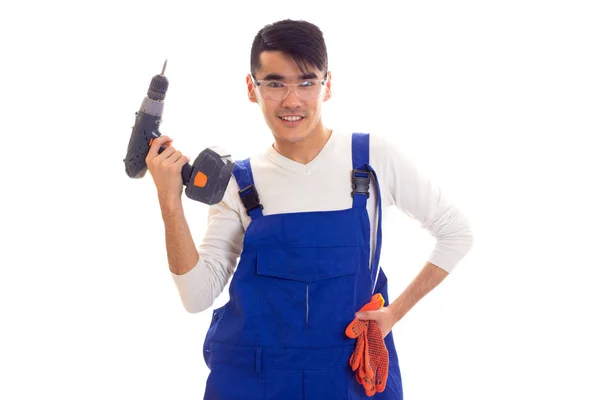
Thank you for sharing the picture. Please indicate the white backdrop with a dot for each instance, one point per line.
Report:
(497, 101)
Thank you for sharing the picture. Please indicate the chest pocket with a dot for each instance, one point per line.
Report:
(305, 295)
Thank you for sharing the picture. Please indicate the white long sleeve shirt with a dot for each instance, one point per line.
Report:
(286, 186)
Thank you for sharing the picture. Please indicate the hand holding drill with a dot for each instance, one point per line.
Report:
(165, 165)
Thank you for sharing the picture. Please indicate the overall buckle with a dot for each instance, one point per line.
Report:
(360, 182)
(249, 197)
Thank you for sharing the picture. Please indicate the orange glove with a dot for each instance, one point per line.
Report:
(360, 363)
(378, 358)
(360, 359)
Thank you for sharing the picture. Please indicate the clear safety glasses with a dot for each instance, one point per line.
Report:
(308, 89)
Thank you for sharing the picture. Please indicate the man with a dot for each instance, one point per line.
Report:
(305, 219)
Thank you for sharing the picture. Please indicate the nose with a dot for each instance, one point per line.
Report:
(291, 100)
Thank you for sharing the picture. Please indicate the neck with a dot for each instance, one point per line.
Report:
(305, 150)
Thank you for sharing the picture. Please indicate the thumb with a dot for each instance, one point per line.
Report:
(367, 315)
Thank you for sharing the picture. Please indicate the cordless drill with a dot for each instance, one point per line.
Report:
(206, 180)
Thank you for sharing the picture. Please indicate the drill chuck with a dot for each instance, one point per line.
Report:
(158, 86)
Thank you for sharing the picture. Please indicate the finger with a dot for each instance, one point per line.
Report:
(367, 367)
(357, 356)
(165, 155)
(156, 143)
(182, 161)
(382, 375)
(355, 328)
(370, 389)
(368, 315)
(363, 366)
(176, 161)
(359, 379)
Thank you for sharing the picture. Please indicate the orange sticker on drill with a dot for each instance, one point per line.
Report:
(200, 179)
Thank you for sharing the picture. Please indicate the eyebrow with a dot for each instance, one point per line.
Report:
(277, 77)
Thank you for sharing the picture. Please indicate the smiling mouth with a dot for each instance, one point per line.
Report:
(291, 118)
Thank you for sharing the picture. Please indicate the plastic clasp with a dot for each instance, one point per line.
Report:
(249, 197)
(360, 182)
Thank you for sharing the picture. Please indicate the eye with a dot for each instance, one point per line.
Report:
(273, 84)
(307, 84)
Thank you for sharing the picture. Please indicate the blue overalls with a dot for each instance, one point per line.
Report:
(300, 279)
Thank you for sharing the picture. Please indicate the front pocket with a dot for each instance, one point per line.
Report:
(307, 264)
(305, 295)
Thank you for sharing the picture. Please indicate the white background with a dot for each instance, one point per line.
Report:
(496, 101)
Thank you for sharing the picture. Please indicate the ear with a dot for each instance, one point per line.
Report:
(251, 88)
(328, 87)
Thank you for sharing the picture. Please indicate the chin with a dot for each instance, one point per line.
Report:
(292, 137)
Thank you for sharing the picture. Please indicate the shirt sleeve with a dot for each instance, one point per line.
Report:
(411, 191)
(219, 251)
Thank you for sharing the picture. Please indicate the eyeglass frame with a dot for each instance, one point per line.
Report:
(258, 82)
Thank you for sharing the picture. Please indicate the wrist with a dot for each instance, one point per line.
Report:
(170, 205)
(398, 309)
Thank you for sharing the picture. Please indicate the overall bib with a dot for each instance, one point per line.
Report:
(300, 279)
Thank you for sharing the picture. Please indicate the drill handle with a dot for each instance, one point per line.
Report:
(186, 171)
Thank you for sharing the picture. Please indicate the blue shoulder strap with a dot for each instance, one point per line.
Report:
(361, 177)
(243, 175)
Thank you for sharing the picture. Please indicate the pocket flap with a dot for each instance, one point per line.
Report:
(307, 264)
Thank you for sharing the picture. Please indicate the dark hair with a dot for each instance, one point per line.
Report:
(300, 39)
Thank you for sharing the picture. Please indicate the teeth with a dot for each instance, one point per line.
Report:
(291, 119)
